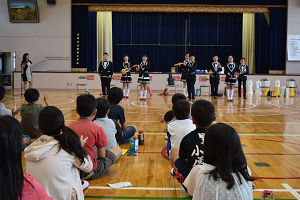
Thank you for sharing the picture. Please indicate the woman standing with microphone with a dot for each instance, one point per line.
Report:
(26, 66)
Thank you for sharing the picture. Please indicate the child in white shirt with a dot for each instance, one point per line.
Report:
(182, 124)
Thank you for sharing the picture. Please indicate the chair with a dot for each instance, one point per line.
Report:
(204, 83)
(172, 86)
(81, 82)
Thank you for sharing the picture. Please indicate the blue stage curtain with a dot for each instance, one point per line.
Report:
(262, 44)
(91, 62)
(215, 34)
(166, 37)
(84, 32)
(79, 36)
(160, 36)
(278, 31)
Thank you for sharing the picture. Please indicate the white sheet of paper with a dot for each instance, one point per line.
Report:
(119, 185)
(293, 45)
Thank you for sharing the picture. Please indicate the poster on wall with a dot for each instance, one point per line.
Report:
(293, 45)
(23, 11)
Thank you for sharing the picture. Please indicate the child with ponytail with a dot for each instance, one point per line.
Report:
(56, 157)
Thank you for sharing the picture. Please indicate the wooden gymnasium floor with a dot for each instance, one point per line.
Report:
(269, 131)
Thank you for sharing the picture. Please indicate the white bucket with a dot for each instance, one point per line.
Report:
(287, 92)
(250, 87)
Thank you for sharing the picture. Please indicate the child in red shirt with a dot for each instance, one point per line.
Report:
(102, 160)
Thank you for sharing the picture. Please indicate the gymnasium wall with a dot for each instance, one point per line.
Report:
(50, 38)
(293, 28)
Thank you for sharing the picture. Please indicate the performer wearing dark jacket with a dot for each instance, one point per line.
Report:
(144, 78)
(214, 78)
(126, 77)
(191, 77)
(183, 69)
(105, 71)
(231, 72)
(242, 79)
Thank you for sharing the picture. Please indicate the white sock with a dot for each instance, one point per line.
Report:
(145, 94)
(232, 92)
(184, 91)
(128, 91)
(228, 93)
(124, 92)
(141, 92)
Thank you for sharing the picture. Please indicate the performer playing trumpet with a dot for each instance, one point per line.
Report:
(183, 67)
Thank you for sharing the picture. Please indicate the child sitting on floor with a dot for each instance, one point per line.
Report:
(30, 112)
(182, 124)
(116, 112)
(86, 107)
(190, 152)
(4, 111)
(13, 183)
(56, 157)
(108, 125)
(224, 173)
(170, 114)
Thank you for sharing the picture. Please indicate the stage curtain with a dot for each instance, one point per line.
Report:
(79, 36)
(104, 35)
(215, 34)
(262, 44)
(248, 42)
(91, 49)
(278, 31)
(165, 37)
(160, 36)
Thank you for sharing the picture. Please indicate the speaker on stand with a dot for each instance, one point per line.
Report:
(51, 2)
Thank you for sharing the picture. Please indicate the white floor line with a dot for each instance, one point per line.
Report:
(274, 190)
(135, 188)
(241, 134)
(235, 122)
(269, 135)
(291, 190)
(173, 189)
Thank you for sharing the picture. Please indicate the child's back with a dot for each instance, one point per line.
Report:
(178, 129)
(30, 112)
(108, 125)
(110, 131)
(182, 125)
(29, 118)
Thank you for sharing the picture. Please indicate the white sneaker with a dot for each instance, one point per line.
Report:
(166, 137)
(85, 184)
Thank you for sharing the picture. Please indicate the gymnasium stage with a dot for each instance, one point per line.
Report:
(68, 80)
(269, 131)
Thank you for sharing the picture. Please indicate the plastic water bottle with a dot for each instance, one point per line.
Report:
(141, 137)
(133, 144)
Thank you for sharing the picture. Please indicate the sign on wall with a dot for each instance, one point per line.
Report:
(293, 46)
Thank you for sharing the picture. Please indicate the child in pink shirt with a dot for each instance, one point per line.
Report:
(12, 181)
